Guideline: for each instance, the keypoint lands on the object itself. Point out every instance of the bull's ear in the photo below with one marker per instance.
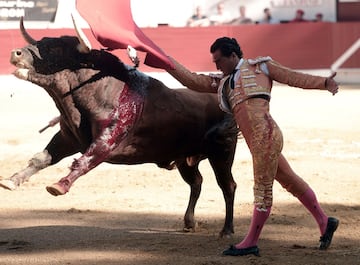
(24, 33)
(84, 46)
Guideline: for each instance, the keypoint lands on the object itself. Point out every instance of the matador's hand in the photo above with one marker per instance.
(331, 85)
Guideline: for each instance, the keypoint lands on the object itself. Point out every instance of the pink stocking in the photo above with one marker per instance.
(308, 199)
(257, 222)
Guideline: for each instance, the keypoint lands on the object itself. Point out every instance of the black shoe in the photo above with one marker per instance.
(325, 239)
(233, 251)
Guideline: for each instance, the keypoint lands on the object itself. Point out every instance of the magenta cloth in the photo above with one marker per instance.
(113, 26)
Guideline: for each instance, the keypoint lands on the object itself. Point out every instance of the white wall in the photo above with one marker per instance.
(175, 13)
(150, 13)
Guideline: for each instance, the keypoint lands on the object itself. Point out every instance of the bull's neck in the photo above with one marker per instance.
(136, 80)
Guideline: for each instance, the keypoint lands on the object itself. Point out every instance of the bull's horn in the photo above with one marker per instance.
(85, 45)
(26, 35)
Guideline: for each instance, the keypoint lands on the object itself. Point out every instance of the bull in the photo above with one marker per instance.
(111, 112)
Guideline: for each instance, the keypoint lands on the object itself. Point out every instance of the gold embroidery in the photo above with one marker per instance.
(265, 145)
(245, 87)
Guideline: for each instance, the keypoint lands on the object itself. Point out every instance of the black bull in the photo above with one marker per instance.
(93, 88)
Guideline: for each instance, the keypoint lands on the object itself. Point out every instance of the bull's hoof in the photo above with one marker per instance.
(190, 226)
(56, 189)
(226, 233)
(188, 229)
(7, 184)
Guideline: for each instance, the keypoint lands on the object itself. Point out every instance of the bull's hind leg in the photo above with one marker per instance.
(192, 176)
(227, 184)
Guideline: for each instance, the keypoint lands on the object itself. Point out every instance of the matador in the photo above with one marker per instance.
(244, 89)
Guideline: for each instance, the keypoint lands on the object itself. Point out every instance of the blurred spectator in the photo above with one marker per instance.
(221, 17)
(299, 16)
(318, 17)
(242, 19)
(198, 19)
(268, 18)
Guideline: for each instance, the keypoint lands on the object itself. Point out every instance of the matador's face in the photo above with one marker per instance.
(225, 64)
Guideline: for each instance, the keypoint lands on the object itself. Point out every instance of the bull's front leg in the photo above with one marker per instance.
(33, 77)
(114, 130)
(36, 163)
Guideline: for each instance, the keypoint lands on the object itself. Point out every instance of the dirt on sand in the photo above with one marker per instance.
(133, 214)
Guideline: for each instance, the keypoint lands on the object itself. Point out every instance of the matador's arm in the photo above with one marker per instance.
(288, 76)
(194, 81)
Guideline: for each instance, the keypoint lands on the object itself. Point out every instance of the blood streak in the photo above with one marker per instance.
(114, 130)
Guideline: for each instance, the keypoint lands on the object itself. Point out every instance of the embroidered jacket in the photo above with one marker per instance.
(255, 77)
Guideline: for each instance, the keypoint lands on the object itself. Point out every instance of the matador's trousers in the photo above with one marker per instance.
(265, 141)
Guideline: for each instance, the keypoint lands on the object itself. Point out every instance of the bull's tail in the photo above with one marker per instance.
(223, 136)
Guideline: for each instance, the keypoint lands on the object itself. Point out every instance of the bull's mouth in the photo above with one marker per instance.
(23, 68)
(20, 64)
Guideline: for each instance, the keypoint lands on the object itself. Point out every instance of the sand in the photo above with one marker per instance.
(120, 214)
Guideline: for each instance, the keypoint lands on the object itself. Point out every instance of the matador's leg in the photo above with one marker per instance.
(264, 139)
(301, 190)
(288, 179)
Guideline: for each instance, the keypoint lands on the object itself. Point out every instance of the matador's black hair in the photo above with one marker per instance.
(227, 46)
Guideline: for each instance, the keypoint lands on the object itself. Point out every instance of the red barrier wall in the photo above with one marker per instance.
(299, 46)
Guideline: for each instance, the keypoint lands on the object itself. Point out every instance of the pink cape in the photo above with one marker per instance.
(113, 26)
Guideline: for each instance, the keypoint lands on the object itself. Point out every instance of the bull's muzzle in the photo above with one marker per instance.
(21, 59)
(16, 57)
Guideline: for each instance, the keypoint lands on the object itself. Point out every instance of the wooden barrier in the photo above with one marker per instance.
(297, 45)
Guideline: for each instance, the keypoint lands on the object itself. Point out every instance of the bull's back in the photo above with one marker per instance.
(173, 124)
(184, 101)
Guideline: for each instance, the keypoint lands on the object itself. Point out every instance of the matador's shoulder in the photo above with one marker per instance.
(260, 59)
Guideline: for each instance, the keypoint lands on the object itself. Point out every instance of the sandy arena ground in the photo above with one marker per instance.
(133, 214)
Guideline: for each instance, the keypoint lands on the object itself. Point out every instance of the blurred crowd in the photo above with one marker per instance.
(222, 17)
